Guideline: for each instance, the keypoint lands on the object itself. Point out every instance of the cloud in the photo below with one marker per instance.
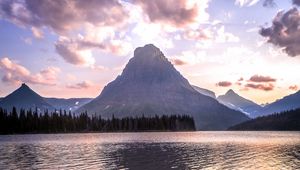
(37, 33)
(296, 2)
(198, 34)
(223, 36)
(99, 68)
(285, 32)
(116, 47)
(9, 66)
(71, 53)
(238, 83)
(178, 62)
(50, 73)
(191, 57)
(294, 87)
(16, 74)
(63, 15)
(257, 82)
(85, 25)
(79, 51)
(269, 3)
(82, 85)
(264, 87)
(224, 84)
(260, 79)
(247, 3)
(210, 34)
(178, 13)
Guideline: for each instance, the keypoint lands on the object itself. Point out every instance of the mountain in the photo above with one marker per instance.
(1, 98)
(205, 91)
(25, 98)
(235, 101)
(149, 85)
(287, 103)
(67, 104)
(289, 120)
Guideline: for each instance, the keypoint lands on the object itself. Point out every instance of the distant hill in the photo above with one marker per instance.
(67, 104)
(287, 103)
(25, 98)
(288, 120)
(205, 91)
(150, 84)
(237, 102)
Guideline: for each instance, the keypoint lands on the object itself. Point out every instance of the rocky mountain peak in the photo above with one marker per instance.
(230, 92)
(150, 65)
(24, 86)
(151, 85)
(24, 97)
(148, 50)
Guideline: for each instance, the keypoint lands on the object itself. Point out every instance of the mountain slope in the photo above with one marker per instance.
(234, 101)
(67, 104)
(151, 85)
(287, 103)
(205, 91)
(289, 120)
(24, 98)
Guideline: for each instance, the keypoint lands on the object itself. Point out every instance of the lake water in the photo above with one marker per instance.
(165, 150)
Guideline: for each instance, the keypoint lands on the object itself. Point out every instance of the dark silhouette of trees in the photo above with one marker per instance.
(287, 120)
(66, 122)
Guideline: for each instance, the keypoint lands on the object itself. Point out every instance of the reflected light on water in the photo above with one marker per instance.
(184, 150)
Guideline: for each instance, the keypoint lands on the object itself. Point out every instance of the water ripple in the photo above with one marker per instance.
(199, 150)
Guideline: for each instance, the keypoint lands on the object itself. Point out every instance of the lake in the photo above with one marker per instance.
(152, 150)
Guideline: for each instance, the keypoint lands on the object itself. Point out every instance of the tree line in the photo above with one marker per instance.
(33, 121)
(286, 120)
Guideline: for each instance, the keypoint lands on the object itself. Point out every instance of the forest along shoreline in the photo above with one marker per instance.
(34, 122)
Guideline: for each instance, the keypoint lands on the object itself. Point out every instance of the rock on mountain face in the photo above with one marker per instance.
(24, 98)
(67, 104)
(205, 91)
(287, 103)
(151, 85)
(234, 101)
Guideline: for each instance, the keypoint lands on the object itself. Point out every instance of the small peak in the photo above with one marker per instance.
(230, 92)
(24, 85)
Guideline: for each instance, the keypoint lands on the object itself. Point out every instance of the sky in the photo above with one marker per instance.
(74, 48)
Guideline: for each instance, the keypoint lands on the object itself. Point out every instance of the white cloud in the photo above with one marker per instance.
(191, 57)
(16, 74)
(73, 54)
(248, 3)
(82, 85)
(223, 36)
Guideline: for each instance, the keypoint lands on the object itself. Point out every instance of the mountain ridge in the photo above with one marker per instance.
(205, 92)
(287, 120)
(24, 98)
(233, 100)
(67, 103)
(288, 102)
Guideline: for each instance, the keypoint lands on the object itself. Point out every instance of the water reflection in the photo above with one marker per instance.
(202, 156)
(209, 150)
